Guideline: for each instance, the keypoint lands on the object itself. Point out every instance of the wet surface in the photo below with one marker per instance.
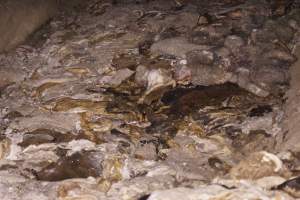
(150, 100)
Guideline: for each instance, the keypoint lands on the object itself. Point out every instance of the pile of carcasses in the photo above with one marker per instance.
(150, 100)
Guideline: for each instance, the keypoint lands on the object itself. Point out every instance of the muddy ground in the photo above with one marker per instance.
(153, 100)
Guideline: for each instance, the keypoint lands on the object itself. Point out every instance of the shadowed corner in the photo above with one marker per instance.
(19, 19)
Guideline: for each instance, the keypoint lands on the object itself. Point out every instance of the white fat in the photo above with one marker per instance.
(267, 157)
(79, 145)
(183, 62)
(125, 172)
(78, 126)
(15, 149)
(154, 78)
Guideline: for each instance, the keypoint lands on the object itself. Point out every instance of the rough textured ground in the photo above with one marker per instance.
(151, 100)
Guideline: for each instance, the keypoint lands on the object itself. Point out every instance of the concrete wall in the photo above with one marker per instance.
(19, 18)
(291, 139)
